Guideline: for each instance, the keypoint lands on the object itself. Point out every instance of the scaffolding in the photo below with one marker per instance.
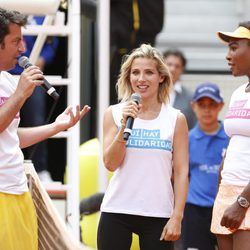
(54, 25)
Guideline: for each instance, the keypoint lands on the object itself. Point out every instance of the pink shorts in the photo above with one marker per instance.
(226, 196)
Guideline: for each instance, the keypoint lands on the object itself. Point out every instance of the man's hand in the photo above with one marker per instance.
(68, 118)
(29, 79)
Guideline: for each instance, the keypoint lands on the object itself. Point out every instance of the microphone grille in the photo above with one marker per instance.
(136, 97)
(23, 61)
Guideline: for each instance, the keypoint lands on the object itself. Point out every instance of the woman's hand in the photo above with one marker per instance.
(131, 109)
(233, 217)
(172, 230)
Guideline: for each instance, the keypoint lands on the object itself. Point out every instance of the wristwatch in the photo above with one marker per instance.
(243, 202)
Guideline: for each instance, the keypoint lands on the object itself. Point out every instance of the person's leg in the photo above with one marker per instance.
(196, 228)
(113, 232)
(193, 227)
(225, 242)
(211, 241)
(241, 240)
(186, 233)
(149, 230)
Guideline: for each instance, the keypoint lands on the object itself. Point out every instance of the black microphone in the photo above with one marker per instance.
(25, 63)
(130, 121)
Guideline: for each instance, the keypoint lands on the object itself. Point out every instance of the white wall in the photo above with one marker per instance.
(191, 26)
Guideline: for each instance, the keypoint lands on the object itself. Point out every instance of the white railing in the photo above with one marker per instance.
(103, 78)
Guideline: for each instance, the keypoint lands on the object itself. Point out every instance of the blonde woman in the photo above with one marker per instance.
(140, 198)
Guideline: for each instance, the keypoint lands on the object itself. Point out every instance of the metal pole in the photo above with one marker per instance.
(103, 22)
(73, 141)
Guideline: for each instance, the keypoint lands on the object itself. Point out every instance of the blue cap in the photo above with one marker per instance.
(210, 90)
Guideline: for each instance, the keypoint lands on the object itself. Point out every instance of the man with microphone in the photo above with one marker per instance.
(15, 199)
(34, 112)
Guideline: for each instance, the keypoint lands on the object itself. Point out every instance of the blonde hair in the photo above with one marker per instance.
(123, 85)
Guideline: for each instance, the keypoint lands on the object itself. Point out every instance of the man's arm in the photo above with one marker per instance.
(29, 79)
(9, 110)
(30, 136)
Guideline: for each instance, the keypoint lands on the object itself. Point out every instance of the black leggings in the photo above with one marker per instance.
(115, 232)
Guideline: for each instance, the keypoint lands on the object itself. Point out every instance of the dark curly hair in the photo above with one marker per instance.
(8, 17)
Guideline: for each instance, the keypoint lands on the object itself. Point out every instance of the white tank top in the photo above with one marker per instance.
(12, 176)
(142, 184)
(236, 168)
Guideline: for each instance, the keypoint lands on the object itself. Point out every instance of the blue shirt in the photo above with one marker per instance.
(205, 156)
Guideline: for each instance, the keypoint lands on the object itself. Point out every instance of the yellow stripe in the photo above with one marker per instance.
(136, 15)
